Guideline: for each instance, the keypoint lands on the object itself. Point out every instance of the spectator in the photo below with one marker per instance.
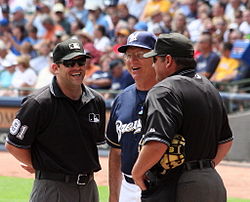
(232, 7)
(220, 25)
(18, 16)
(6, 75)
(179, 24)
(41, 12)
(227, 67)
(208, 60)
(17, 38)
(135, 7)
(76, 26)
(101, 41)
(4, 27)
(167, 22)
(90, 67)
(78, 13)
(121, 78)
(27, 49)
(121, 39)
(196, 27)
(245, 25)
(5, 10)
(95, 17)
(42, 60)
(60, 18)
(218, 10)
(46, 74)
(152, 5)
(5, 54)
(235, 35)
(32, 36)
(189, 9)
(123, 12)
(155, 24)
(24, 76)
(51, 28)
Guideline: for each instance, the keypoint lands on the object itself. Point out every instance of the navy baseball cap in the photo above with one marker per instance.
(68, 49)
(141, 39)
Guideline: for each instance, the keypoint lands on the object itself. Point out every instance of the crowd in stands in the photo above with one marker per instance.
(29, 30)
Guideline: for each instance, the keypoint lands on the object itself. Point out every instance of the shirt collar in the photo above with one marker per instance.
(87, 95)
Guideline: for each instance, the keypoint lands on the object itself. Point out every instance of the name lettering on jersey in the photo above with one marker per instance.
(17, 129)
(133, 37)
(128, 127)
(94, 118)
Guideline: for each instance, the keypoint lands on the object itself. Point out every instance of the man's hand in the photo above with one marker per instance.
(140, 181)
(30, 169)
(146, 160)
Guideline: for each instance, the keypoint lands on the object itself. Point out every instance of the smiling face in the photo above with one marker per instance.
(70, 76)
(140, 68)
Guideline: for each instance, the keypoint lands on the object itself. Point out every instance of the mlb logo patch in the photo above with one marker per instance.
(94, 118)
(74, 46)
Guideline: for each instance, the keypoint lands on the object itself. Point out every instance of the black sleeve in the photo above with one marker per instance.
(162, 116)
(226, 134)
(26, 124)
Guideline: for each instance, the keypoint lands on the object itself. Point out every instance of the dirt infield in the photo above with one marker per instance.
(236, 176)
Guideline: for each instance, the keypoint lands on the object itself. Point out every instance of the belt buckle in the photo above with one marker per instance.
(82, 179)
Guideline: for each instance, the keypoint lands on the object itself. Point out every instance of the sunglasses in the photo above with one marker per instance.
(72, 63)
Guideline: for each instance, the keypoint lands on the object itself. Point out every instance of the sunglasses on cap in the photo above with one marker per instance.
(72, 63)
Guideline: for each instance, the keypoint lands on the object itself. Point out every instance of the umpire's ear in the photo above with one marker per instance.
(55, 67)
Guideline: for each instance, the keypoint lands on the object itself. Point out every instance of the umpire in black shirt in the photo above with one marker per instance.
(185, 127)
(56, 131)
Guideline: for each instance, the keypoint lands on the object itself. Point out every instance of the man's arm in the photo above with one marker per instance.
(115, 175)
(150, 154)
(22, 155)
(222, 151)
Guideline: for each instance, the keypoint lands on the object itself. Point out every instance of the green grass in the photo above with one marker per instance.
(14, 189)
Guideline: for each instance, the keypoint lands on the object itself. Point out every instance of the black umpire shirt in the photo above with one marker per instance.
(61, 133)
(186, 104)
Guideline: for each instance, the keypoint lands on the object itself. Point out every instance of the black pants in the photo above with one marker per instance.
(201, 185)
(162, 189)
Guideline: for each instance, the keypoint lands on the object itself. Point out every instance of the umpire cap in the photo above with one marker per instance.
(68, 49)
(141, 39)
(174, 44)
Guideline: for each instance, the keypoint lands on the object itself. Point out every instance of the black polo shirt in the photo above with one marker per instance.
(61, 133)
(189, 105)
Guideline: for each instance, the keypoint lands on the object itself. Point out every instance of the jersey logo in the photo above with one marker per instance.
(94, 118)
(128, 127)
(17, 129)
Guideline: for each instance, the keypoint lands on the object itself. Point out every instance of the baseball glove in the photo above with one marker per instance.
(174, 156)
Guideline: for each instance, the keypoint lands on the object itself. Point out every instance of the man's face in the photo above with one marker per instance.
(71, 72)
(160, 68)
(140, 68)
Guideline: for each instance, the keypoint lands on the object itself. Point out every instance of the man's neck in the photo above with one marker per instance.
(145, 86)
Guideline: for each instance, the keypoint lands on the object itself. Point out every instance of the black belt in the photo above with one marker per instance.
(199, 164)
(129, 179)
(80, 179)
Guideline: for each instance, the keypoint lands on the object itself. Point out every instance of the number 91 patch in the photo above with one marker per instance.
(17, 129)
